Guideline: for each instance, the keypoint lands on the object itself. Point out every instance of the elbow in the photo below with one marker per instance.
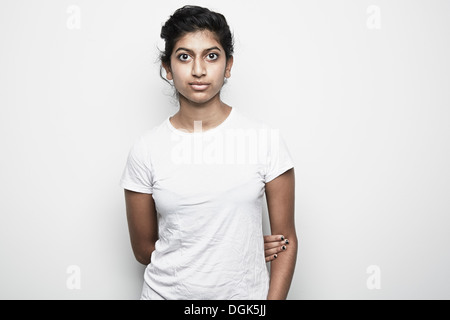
(143, 255)
(290, 235)
(293, 243)
(293, 239)
(145, 260)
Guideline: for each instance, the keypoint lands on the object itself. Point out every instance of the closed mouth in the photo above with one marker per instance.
(199, 86)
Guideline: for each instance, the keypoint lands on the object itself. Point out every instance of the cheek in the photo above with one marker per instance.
(180, 72)
(180, 77)
(220, 71)
(216, 73)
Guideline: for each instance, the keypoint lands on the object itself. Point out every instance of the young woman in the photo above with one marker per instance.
(194, 185)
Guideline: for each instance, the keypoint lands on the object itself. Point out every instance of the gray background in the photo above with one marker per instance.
(364, 110)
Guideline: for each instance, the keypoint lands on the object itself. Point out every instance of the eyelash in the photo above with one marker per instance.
(185, 54)
(181, 55)
(217, 56)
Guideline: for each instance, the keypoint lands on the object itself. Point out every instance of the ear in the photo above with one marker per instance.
(169, 75)
(228, 67)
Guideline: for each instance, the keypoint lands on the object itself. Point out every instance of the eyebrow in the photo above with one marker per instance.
(191, 51)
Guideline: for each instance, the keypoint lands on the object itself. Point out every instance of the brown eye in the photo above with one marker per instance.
(213, 56)
(183, 57)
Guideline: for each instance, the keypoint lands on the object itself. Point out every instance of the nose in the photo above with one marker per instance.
(198, 68)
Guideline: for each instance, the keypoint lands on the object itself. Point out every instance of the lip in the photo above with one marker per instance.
(199, 86)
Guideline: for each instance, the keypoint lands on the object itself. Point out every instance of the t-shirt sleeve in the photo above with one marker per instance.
(279, 159)
(137, 175)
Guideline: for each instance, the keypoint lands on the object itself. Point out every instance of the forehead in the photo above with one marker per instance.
(198, 41)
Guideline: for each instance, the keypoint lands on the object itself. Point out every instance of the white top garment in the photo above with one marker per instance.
(208, 189)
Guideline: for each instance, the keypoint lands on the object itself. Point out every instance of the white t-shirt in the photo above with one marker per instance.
(208, 190)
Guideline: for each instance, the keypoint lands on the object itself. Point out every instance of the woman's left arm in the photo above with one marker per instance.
(280, 195)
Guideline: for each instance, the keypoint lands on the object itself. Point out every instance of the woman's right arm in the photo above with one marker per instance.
(142, 224)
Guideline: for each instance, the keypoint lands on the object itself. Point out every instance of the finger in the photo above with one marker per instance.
(275, 250)
(270, 245)
(273, 238)
(271, 252)
(271, 257)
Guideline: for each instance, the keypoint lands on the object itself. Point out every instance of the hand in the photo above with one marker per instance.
(273, 245)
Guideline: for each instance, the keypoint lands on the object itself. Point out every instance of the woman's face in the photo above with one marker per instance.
(198, 67)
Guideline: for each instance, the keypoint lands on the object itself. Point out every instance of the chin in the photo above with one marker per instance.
(199, 98)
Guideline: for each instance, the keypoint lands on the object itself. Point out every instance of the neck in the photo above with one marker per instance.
(211, 114)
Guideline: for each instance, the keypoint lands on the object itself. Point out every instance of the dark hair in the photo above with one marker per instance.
(190, 19)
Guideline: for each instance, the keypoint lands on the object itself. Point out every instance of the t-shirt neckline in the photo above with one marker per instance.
(209, 131)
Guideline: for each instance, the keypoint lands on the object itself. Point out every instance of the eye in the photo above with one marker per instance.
(212, 56)
(184, 57)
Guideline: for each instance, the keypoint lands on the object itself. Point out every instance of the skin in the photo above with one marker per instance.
(280, 195)
(274, 245)
(198, 68)
(194, 60)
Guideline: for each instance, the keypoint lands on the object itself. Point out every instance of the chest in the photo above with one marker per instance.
(211, 171)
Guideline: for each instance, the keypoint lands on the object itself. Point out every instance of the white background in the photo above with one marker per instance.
(365, 112)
